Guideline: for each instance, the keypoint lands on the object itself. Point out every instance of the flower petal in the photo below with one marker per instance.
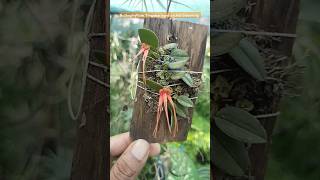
(166, 110)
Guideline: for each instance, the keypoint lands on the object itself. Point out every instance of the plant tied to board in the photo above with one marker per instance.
(235, 128)
(169, 75)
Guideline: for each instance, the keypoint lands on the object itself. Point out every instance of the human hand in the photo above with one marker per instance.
(133, 156)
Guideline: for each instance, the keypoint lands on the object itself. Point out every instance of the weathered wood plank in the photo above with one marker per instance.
(91, 149)
(190, 37)
(283, 19)
(270, 16)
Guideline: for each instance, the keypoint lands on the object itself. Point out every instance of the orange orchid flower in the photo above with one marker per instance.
(165, 96)
(145, 51)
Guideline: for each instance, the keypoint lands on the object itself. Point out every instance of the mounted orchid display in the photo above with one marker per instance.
(168, 83)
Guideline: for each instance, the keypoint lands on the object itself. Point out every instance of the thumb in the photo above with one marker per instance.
(130, 163)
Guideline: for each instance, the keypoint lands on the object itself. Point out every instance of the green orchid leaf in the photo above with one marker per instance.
(170, 46)
(184, 101)
(229, 154)
(240, 125)
(249, 58)
(224, 42)
(188, 79)
(177, 58)
(181, 110)
(153, 54)
(177, 75)
(148, 37)
(179, 53)
(224, 9)
(154, 85)
(178, 64)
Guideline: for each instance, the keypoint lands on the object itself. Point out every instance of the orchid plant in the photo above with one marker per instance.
(168, 68)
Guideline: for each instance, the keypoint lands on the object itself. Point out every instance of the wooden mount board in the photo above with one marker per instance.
(91, 149)
(190, 37)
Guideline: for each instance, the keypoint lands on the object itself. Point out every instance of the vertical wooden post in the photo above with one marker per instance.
(190, 37)
(91, 149)
(275, 16)
(271, 16)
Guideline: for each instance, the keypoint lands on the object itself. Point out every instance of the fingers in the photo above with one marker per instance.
(130, 163)
(154, 149)
(119, 143)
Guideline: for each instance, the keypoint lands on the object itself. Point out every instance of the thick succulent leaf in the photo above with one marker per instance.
(224, 42)
(240, 125)
(249, 58)
(185, 58)
(170, 46)
(254, 54)
(177, 75)
(181, 111)
(188, 80)
(184, 101)
(153, 54)
(223, 9)
(179, 53)
(178, 64)
(171, 117)
(153, 85)
(148, 37)
(229, 154)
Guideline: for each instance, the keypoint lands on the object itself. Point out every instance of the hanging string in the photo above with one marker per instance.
(263, 116)
(255, 33)
(264, 33)
(97, 80)
(221, 71)
(158, 93)
(191, 72)
(98, 65)
(92, 35)
(148, 90)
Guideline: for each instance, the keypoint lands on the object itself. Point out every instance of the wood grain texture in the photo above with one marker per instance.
(190, 37)
(91, 152)
(270, 16)
(277, 16)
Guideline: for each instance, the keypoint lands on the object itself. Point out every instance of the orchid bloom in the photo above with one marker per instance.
(165, 96)
(145, 51)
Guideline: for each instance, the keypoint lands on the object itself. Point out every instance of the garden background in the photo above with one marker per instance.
(40, 43)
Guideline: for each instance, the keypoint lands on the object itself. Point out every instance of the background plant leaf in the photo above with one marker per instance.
(240, 125)
(224, 42)
(223, 9)
(229, 154)
(249, 58)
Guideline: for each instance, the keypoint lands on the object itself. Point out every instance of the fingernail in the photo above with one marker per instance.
(140, 149)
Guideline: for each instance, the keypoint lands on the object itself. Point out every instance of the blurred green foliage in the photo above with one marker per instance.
(296, 141)
(41, 43)
(185, 160)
